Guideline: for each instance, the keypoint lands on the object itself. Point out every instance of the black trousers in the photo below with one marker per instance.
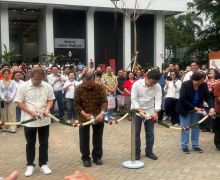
(149, 136)
(170, 110)
(84, 138)
(217, 132)
(43, 135)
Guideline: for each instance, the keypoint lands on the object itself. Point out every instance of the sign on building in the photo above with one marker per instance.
(69, 43)
(214, 59)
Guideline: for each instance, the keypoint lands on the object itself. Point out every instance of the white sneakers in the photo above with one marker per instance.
(44, 169)
(29, 171)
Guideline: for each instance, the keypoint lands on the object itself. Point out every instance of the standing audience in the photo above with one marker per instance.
(69, 89)
(8, 108)
(217, 120)
(57, 81)
(172, 90)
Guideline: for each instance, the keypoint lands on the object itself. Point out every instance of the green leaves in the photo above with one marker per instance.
(211, 33)
(7, 56)
(182, 30)
(52, 58)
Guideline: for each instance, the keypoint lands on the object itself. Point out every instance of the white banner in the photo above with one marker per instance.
(213, 63)
(69, 43)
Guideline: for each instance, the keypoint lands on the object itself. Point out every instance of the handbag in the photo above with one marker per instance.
(121, 100)
(111, 102)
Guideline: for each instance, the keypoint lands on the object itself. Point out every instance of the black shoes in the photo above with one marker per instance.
(185, 150)
(98, 162)
(151, 156)
(87, 163)
(198, 149)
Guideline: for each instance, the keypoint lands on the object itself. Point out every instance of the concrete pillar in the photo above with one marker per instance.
(126, 42)
(159, 40)
(90, 40)
(4, 28)
(46, 35)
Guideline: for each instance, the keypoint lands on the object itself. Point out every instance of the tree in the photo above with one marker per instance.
(133, 15)
(182, 31)
(211, 34)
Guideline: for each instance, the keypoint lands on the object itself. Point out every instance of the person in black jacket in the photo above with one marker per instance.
(190, 108)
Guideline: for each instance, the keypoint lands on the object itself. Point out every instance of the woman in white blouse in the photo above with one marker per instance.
(69, 89)
(17, 76)
(172, 90)
(8, 92)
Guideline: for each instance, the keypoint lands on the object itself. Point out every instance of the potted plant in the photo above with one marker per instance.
(8, 55)
(51, 57)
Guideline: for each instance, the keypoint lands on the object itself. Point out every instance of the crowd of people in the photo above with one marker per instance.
(179, 97)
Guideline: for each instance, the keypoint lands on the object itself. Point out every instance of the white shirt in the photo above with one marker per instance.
(58, 85)
(35, 98)
(66, 78)
(7, 93)
(18, 83)
(71, 90)
(187, 76)
(171, 90)
(146, 98)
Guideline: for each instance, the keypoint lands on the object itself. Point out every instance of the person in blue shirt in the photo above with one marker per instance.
(190, 108)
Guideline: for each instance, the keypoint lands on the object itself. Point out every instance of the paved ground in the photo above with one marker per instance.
(64, 155)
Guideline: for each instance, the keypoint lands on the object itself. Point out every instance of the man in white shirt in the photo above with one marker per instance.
(194, 68)
(146, 97)
(35, 99)
(66, 72)
(69, 89)
(57, 81)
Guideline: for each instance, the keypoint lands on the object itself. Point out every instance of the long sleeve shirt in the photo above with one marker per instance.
(171, 90)
(57, 85)
(91, 101)
(146, 98)
(8, 92)
(71, 88)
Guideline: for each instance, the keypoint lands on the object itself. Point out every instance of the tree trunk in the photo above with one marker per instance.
(135, 46)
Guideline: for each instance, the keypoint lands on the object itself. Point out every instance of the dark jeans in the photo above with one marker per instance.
(18, 114)
(70, 108)
(84, 138)
(170, 110)
(149, 135)
(217, 132)
(43, 135)
(59, 99)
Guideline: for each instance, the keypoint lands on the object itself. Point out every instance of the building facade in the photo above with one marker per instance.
(86, 31)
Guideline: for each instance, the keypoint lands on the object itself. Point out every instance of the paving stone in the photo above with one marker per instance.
(65, 157)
